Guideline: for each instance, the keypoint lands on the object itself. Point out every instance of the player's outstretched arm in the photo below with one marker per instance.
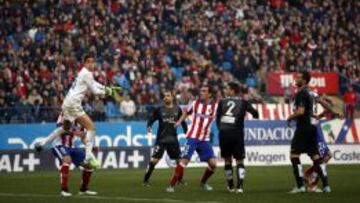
(112, 90)
(327, 106)
(54, 134)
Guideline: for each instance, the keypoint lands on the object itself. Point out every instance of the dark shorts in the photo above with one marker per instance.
(305, 140)
(173, 150)
(232, 144)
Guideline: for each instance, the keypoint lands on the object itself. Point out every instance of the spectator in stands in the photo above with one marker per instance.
(350, 100)
(99, 109)
(34, 95)
(127, 108)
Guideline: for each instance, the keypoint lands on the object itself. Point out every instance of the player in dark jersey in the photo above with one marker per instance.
(304, 140)
(311, 177)
(230, 122)
(166, 139)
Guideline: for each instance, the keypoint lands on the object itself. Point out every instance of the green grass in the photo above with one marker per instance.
(263, 184)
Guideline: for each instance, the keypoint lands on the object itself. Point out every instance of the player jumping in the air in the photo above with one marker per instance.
(166, 139)
(304, 140)
(73, 110)
(202, 112)
(230, 121)
(311, 176)
(64, 150)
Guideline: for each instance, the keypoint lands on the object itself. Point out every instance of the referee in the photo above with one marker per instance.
(230, 122)
(166, 139)
(304, 140)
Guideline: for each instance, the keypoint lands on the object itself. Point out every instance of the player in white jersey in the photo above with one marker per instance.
(64, 150)
(72, 109)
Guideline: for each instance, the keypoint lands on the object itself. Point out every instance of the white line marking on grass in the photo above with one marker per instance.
(24, 195)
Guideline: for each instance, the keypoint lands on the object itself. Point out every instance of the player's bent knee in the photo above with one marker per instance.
(212, 163)
(292, 156)
(240, 161)
(315, 157)
(154, 160)
(327, 158)
(184, 162)
(66, 159)
(228, 160)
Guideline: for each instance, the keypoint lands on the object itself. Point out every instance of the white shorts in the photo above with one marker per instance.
(72, 113)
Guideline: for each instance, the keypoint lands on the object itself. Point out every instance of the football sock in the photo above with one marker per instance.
(90, 135)
(207, 173)
(64, 176)
(240, 173)
(149, 171)
(297, 170)
(320, 168)
(312, 176)
(179, 171)
(229, 175)
(180, 178)
(85, 179)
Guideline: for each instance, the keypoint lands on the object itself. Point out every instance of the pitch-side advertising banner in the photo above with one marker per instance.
(274, 155)
(133, 134)
(110, 158)
(323, 82)
(127, 145)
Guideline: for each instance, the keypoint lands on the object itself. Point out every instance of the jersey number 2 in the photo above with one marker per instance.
(231, 105)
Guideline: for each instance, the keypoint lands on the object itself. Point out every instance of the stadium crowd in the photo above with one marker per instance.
(146, 46)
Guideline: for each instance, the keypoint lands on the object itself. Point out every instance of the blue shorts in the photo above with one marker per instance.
(77, 155)
(322, 146)
(203, 148)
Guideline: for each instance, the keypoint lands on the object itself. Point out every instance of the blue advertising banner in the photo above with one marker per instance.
(133, 134)
(113, 134)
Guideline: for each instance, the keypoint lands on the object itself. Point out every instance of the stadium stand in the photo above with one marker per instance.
(176, 44)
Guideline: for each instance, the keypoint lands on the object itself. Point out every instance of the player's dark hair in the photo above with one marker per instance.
(88, 56)
(306, 76)
(210, 88)
(234, 87)
(167, 90)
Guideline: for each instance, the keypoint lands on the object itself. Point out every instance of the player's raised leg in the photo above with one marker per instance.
(86, 122)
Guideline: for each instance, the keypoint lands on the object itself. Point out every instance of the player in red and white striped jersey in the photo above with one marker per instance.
(202, 114)
(62, 139)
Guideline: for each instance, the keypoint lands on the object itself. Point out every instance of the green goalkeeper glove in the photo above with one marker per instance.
(110, 91)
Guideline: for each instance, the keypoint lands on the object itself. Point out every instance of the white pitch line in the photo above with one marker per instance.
(102, 198)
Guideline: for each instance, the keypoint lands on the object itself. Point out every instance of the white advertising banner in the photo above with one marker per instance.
(275, 155)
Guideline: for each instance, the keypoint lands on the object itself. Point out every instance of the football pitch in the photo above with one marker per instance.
(262, 184)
